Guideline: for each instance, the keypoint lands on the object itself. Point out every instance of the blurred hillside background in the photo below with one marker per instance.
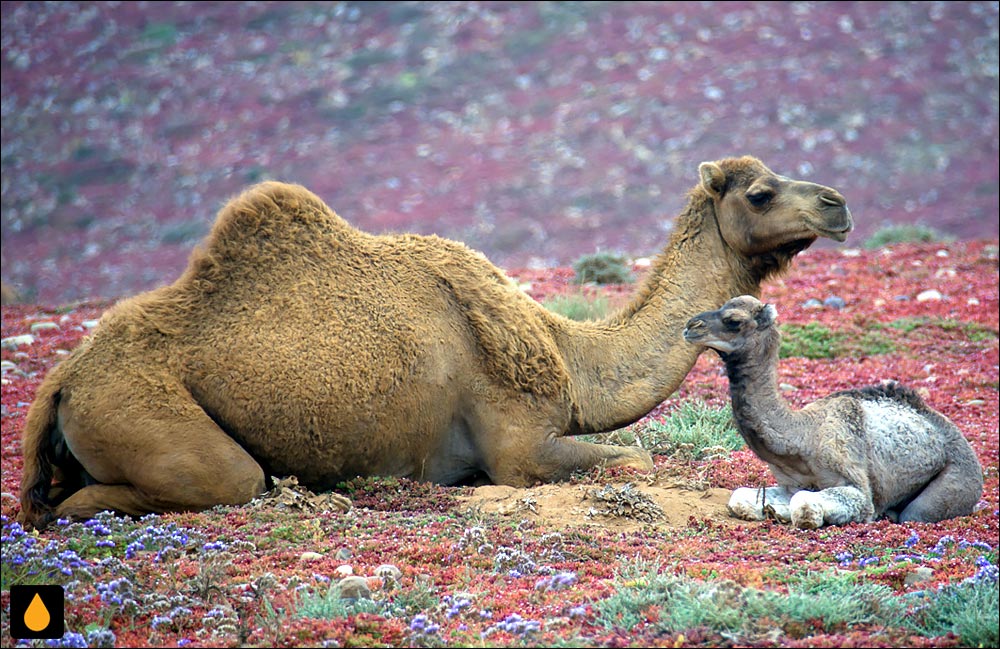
(533, 131)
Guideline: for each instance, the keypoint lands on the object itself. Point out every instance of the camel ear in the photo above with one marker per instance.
(713, 178)
(766, 316)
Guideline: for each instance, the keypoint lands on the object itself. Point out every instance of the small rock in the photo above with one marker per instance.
(902, 298)
(812, 303)
(354, 588)
(928, 295)
(942, 253)
(972, 301)
(851, 252)
(90, 324)
(43, 326)
(918, 575)
(344, 571)
(975, 402)
(389, 573)
(310, 556)
(13, 342)
(787, 387)
(343, 554)
(834, 302)
(7, 366)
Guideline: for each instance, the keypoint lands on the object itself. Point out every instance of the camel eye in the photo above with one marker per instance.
(759, 198)
(731, 323)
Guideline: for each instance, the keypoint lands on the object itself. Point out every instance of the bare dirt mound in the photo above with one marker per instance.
(622, 506)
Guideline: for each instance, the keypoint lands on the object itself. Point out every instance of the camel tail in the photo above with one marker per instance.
(41, 431)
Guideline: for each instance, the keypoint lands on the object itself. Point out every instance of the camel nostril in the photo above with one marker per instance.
(833, 199)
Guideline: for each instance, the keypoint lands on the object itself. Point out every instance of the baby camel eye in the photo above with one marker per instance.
(731, 323)
(759, 198)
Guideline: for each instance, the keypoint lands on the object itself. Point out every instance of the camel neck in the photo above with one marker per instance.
(758, 407)
(625, 366)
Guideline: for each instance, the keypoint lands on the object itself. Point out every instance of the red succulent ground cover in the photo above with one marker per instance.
(474, 577)
(533, 131)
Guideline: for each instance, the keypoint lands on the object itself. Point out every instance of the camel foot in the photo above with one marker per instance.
(807, 513)
(745, 504)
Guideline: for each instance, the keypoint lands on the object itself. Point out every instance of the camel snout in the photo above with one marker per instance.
(694, 329)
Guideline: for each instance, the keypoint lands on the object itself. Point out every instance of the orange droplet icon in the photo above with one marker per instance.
(37, 616)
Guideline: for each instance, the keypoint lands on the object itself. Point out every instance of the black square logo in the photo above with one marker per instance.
(36, 612)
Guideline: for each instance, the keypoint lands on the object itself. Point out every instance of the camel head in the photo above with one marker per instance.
(760, 212)
(733, 327)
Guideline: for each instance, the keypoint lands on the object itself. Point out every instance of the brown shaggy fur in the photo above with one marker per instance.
(296, 344)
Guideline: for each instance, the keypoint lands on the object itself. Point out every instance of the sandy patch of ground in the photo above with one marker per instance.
(623, 505)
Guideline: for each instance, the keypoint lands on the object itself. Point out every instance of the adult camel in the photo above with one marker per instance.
(294, 344)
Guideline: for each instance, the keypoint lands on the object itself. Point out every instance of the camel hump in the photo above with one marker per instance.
(272, 215)
(273, 208)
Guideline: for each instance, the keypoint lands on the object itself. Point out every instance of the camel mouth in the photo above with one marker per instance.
(836, 229)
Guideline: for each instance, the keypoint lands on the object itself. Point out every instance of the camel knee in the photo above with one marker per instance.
(200, 486)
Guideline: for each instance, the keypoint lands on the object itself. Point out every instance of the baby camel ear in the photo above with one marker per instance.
(713, 178)
(766, 316)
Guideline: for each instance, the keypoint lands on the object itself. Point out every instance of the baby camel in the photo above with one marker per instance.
(852, 456)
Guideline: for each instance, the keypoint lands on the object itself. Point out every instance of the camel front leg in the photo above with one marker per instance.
(834, 506)
(557, 458)
(757, 504)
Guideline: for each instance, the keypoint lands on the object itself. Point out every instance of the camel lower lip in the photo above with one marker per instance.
(837, 235)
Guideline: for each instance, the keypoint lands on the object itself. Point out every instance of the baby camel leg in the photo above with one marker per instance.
(834, 506)
(753, 504)
(157, 463)
(953, 492)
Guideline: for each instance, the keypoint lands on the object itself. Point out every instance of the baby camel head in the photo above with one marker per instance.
(732, 328)
(759, 211)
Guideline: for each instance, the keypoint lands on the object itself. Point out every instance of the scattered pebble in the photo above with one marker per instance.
(929, 295)
(389, 573)
(13, 342)
(344, 570)
(354, 588)
(834, 302)
(787, 387)
(90, 324)
(43, 326)
(918, 575)
(812, 303)
(310, 556)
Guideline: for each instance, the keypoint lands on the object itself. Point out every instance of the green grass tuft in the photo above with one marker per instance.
(693, 432)
(832, 600)
(331, 606)
(968, 609)
(602, 268)
(811, 340)
(579, 306)
(908, 233)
